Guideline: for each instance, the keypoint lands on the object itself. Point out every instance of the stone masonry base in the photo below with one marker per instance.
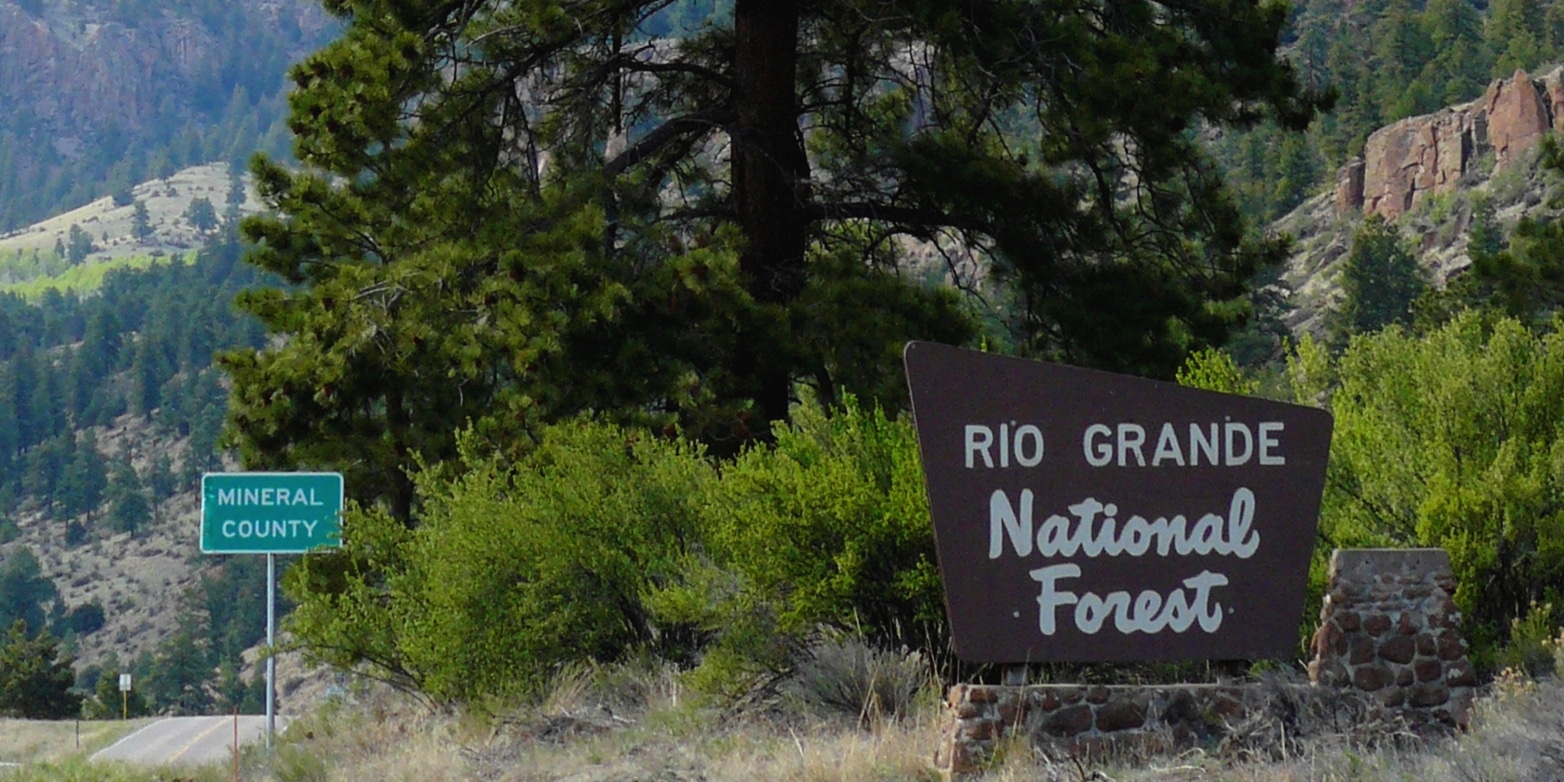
(1388, 649)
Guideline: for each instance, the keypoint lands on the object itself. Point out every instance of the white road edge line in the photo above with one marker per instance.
(128, 737)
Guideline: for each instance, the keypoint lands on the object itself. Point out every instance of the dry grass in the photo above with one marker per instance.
(600, 724)
(632, 722)
(31, 741)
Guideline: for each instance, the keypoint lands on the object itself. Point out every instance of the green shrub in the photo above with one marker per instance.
(606, 542)
(512, 570)
(829, 526)
(1455, 439)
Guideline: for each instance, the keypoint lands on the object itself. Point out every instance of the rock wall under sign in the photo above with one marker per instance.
(1388, 652)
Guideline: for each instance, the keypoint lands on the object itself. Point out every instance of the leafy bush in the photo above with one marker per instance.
(607, 542)
(513, 570)
(828, 526)
(1454, 439)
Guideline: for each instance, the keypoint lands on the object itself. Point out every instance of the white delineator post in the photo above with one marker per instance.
(271, 647)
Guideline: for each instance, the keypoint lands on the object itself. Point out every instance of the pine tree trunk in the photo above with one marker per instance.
(770, 176)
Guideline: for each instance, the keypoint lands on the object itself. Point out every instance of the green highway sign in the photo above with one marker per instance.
(270, 512)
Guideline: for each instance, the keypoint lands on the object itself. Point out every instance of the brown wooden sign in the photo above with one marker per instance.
(1082, 515)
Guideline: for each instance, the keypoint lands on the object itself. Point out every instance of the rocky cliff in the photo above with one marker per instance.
(79, 69)
(1424, 173)
(1405, 162)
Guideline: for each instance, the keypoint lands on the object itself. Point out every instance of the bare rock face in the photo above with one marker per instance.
(1406, 161)
(1349, 187)
(1517, 116)
(78, 70)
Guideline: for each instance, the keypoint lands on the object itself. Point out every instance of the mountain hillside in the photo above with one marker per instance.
(102, 94)
(1426, 173)
(169, 223)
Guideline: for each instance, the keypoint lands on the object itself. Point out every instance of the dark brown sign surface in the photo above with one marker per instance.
(1082, 515)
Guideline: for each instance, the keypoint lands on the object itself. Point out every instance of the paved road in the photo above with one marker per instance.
(186, 740)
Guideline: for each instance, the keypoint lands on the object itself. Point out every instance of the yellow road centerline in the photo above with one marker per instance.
(203, 734)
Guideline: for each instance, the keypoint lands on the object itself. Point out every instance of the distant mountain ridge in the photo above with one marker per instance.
(102, 94)
(82, 68)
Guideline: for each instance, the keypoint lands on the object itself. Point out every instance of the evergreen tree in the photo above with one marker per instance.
(146, 379)
(108, 703)
(1401, 48)
(1474, 286)
(1526, 279)
(1458, 67)
(1515, 32)
(1485, 237)
(81, 486)
(201, 215)
(161, 479)
(638, 274)
(1299, 172)
(1380, 279)
(141, 222)
(36, 677)
(80, 245)
(179, 675)
(43, 467)
(24, 590)
(129, 508)
(46, 408)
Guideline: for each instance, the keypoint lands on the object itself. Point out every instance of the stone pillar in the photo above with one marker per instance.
(1349, 187)
(1389, 627)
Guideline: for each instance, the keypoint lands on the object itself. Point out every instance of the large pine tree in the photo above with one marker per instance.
(510, 212)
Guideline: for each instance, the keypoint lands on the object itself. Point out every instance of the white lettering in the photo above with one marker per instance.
(1209, 617)
(1241, 540)
(1036, 456)
(1149, 612)
(1097, 454)
(1085, 534)
(228, 528)
(1206, 445)
(1050, 598)
(1091, 610)
(1002, 518)
(979, 438)
(225, 496)
(1167, 447)
(1230, 429)
(1132, 437)
(1136, 538)
(1267, 442)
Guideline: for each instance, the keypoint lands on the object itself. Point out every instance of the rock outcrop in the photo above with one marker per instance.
(78, 69)
(1406, 161)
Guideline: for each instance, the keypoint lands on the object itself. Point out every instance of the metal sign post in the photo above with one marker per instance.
(271, 648)
(124, 696)
(270, 513)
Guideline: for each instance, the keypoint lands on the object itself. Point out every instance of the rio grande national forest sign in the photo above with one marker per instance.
(1087, 516)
